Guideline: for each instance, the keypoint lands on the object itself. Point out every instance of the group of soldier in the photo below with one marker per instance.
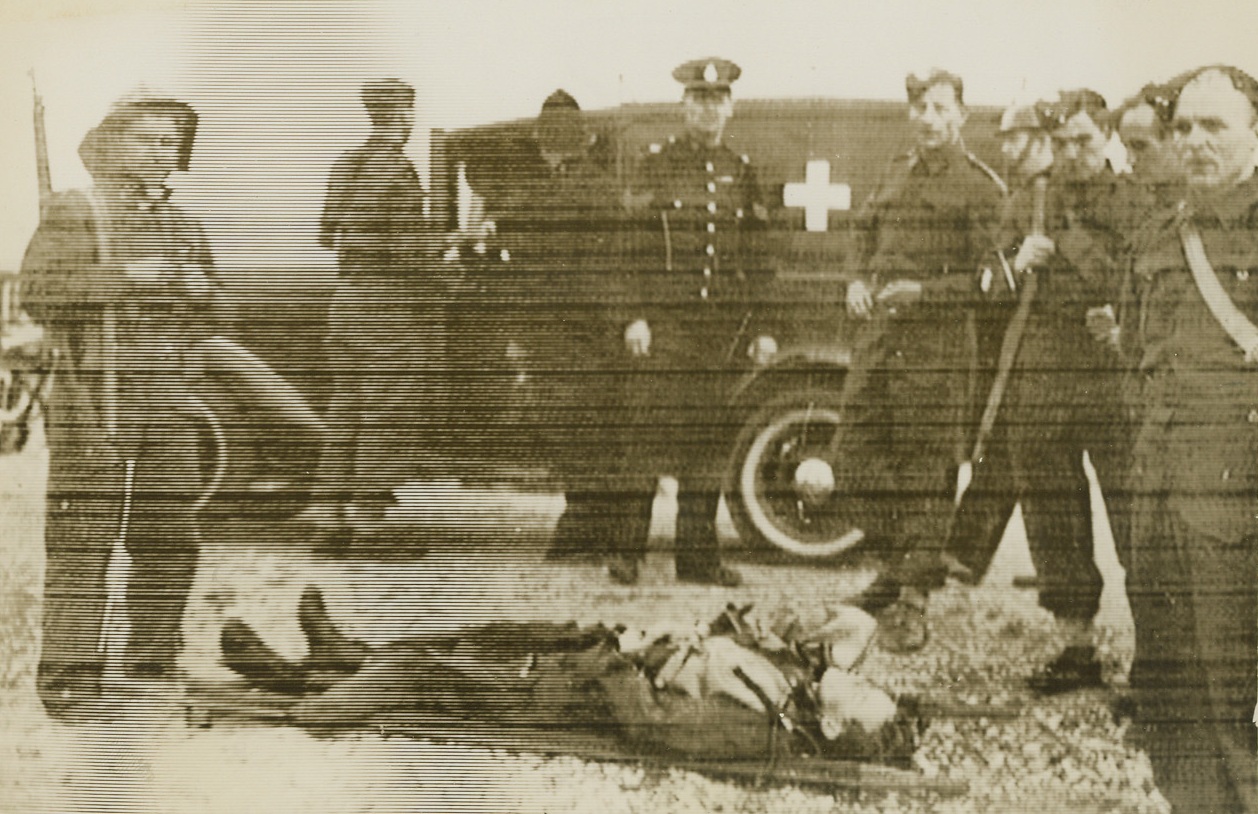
(1100, 313)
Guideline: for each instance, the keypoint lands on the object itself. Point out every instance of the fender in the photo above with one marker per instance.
(261, 384)
(812, 356)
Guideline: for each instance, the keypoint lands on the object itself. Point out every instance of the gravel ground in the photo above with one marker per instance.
(1063, 754)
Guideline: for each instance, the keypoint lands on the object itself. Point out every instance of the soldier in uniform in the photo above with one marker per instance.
(694, 234)
(1193, 582)
(923, 255)
(384, 321)
(122, 280)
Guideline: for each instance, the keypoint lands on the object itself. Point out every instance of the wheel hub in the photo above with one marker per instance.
(814, 480)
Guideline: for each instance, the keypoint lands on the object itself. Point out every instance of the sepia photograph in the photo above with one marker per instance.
(591, 406)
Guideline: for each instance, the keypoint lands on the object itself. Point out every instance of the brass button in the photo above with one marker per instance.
(703, 292)
(711, 227)
(1242, 274)
(710, 249)
(712, 206)
(707, 272)
(677, 204)
(1252, 418)
(711, 187)
(709, 167)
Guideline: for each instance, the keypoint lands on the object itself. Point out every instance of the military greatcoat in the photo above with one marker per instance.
(1193, 581)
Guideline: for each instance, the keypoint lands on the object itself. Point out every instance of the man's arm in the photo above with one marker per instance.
(60, 273)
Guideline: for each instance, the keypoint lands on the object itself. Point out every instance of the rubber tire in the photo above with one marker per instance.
(751, 519)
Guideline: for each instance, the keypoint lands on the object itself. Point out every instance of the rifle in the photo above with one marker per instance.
(43, 170)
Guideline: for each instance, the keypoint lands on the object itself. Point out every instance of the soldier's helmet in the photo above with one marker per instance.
(387, 93)
(99, 148)
(709, 73)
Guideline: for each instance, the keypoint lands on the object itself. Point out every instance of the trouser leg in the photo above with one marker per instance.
(698, 552)
(986, 507)
(1056, 509)
(1194, 601)
(162, 542)
(83, 506)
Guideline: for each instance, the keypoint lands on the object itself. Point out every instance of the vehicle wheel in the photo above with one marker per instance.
(781, 489)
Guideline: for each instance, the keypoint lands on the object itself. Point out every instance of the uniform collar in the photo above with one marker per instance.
(935, 162)
(1234, 206)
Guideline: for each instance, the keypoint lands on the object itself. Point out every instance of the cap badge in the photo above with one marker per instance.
(709, 73)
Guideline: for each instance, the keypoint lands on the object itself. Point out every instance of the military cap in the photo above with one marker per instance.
(1020, 117)
(560, 100)
(917, 83)
(386, 93)
(710, 73)
(1054, 113)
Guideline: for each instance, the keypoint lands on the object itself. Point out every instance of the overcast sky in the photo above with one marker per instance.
(275, 81)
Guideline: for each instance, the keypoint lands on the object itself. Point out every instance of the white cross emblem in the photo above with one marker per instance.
(817, 196)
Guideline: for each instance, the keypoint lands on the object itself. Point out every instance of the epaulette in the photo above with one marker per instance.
(992, 174)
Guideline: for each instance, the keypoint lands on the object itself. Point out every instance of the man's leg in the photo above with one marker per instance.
(162, 542)
(83, 506)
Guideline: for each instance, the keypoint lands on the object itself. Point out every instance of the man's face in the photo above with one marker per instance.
(1079, 148)
(560, 135)
(149, 148)
(1027, 153)
(1215, 132)
(937, 116)
(396, 123)
(1152, 157)
(707, 111)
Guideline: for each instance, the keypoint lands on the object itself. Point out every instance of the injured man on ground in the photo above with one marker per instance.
(738, 687)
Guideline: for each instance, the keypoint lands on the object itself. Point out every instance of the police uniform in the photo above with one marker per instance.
(124, 448)
(384, 327)
(698, 270)
(933, 218)
(1193, 582)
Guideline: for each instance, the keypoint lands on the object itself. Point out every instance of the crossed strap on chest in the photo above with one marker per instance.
(1242, 331)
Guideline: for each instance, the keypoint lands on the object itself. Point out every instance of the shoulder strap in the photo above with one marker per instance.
(1238, 327)
(988, 171)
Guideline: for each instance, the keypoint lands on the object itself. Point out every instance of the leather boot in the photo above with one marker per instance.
(246, 653)
(331, 651)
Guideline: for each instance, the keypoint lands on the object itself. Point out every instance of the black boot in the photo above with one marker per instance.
(246, 653)
(331, 651)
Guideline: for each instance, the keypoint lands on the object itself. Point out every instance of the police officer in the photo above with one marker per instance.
(384, 321)
(694, 241)
(923, 255)
(1193, 582)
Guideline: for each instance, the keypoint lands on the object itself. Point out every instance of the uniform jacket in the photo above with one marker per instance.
(69, 289)
(1199, 436)
(373, 215)
(933, 218)
(694, 242)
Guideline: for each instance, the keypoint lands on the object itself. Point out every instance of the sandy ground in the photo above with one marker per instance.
(485, 562)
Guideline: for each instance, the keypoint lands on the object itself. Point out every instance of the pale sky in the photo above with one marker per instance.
(275, 81)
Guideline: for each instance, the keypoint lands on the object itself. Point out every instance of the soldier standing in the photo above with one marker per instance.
(121, 280)
(694, 238)
(1193, 582)
(383, 324)
(923, 255)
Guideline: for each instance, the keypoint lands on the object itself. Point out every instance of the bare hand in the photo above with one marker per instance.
(900, 292)
(859, 301)
(1102, 324)
(194, 280)
(1035, 251)
(762, 350)
(638, 338)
